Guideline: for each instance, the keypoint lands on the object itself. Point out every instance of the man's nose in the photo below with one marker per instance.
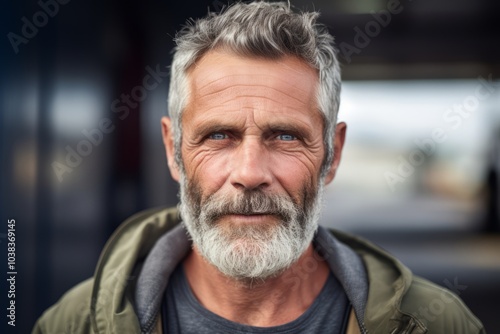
(250, 166)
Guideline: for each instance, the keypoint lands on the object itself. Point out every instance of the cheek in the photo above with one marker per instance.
(207, 169)
(294, 174)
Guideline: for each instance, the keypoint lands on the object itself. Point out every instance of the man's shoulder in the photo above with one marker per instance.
(122, 252)
(438, 308)
(71, 314)
(429, 306)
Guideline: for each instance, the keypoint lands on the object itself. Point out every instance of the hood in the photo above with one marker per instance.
(389, 281)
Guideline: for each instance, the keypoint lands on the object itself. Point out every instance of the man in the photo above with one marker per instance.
(252, 140)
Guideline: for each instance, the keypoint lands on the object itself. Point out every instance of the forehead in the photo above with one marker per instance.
(288, 78)
(229, 63)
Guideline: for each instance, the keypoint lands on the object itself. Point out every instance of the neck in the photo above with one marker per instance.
(270, 302)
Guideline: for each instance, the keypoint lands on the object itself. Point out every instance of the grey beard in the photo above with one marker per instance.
(252, 251)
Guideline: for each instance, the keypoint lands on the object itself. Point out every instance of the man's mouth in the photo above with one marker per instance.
(248, 218)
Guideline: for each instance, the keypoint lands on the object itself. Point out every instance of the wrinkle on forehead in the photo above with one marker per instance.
(233, 73)
(232, 92)
(217, 71)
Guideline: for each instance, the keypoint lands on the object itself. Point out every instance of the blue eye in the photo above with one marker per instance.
(218, 136)
(286, 137)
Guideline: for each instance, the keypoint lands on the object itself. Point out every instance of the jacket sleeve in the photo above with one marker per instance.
(439, 310)
(71, 314)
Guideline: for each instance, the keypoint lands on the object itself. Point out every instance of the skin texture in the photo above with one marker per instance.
(253, 123)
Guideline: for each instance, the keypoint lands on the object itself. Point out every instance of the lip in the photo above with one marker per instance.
(250, 219)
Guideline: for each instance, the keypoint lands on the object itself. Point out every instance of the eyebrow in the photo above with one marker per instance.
(287, 127)
(208, 127)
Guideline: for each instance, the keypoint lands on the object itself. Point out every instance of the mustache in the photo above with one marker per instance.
(249, 203)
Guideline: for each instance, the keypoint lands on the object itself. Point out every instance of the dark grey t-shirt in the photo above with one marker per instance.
(182, 313)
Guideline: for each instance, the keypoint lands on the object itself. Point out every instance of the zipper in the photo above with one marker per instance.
(150, 324)
(408, 330)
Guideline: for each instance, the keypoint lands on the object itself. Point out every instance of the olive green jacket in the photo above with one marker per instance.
(398, 302)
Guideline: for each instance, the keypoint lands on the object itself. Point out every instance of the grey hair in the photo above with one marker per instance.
(259, 29)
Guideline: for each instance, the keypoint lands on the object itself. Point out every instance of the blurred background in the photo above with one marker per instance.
(83, 86)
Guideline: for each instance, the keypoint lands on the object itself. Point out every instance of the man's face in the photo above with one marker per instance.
(252, 149)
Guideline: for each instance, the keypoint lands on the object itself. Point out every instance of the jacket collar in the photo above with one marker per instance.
(389, 281)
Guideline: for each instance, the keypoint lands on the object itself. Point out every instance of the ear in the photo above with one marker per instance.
(168, 141)
(338, 144)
